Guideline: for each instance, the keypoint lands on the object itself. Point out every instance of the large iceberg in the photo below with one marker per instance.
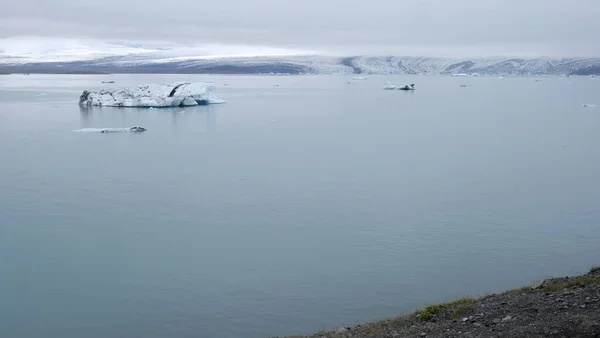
(154, 95)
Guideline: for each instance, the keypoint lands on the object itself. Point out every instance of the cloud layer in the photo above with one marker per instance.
(533, 27)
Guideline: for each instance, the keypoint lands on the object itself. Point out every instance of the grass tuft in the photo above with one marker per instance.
(594, 269)
(518, 291)
(462, 310)
(578, 281)
(430, 311)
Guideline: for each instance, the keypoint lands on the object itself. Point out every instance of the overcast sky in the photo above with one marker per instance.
(401, 27)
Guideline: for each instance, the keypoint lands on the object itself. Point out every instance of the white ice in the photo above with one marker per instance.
(107, 130)
(101, 130)
(389, 86)
(153, 95)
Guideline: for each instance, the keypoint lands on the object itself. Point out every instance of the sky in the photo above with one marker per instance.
(340, 27)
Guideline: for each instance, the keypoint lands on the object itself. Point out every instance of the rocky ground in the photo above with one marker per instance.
(563, 307)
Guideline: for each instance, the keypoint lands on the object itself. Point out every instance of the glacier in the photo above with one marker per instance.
(180, 94)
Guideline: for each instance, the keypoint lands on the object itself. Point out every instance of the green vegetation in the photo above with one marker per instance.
(578, 281)
(462, 305)
(463, 310)
(518, 291)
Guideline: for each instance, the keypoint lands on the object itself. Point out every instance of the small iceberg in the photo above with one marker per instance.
(359, 78)
(408, 87)
(588, 105)
(153, 95)
(390, 86)
(134, 129)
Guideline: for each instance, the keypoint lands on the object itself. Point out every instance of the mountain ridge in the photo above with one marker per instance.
(312, 64)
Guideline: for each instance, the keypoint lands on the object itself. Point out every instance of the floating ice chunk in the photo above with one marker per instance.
(359, 78)
(100, 130)
(588, 105)
(154, 95)
(134, 129)
(390, 86)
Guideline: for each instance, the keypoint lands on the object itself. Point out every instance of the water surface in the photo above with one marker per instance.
(301, 204)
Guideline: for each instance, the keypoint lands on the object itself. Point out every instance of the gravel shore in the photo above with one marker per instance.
(562, 307)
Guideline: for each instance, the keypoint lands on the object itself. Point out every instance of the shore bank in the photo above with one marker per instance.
(559, 307)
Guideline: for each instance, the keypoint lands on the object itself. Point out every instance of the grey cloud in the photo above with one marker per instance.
(556, 27)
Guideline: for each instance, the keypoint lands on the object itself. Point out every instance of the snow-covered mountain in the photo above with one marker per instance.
(474, 66)
(51, 55)
(155, 62)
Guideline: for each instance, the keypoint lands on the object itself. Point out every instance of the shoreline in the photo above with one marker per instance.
(557, 307)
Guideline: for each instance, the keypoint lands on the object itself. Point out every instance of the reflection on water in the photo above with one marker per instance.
(211, 119)
(203, 117)
(85, 113)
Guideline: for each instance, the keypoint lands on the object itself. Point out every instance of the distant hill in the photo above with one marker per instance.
(388, 65)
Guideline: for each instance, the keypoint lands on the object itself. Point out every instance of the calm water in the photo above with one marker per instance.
(291, 208)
